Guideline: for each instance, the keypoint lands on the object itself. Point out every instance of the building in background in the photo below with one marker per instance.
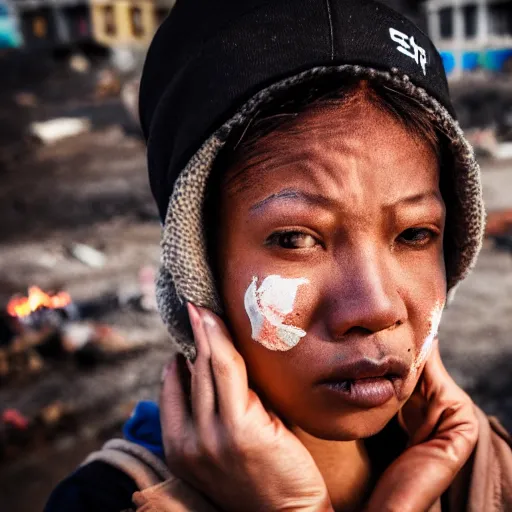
(53, 23)
(127, 23)
(472, 34)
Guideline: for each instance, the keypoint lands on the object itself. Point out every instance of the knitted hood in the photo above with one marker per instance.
(214, 64)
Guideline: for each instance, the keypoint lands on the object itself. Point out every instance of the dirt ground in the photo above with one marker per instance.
(93, 189)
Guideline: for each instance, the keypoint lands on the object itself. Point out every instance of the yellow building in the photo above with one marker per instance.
(127, 23)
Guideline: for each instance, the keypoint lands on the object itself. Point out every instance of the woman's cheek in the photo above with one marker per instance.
(270, 304)
(428, 343)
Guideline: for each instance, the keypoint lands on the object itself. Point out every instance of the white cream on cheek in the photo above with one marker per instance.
(267, 308)
(435, 320)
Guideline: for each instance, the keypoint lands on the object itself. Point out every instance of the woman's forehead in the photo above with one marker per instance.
(348, 148)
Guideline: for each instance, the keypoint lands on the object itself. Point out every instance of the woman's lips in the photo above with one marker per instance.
(366, 382)
(363, 393)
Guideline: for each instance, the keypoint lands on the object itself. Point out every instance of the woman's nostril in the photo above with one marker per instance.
(358, 331)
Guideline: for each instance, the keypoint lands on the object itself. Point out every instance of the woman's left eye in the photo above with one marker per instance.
(292, 240)
(417, 236)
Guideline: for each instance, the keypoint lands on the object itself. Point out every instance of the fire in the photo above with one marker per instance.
(24, 306)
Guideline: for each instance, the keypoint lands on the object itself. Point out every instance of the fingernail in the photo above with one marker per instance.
(165, 370)
(190, 365)
(193, 313)
(207, 318)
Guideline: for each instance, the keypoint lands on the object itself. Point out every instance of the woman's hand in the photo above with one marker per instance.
(443, 429)
(223, 441)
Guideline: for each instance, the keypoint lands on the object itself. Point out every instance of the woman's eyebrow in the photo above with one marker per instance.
(415, 198)
(291, 193)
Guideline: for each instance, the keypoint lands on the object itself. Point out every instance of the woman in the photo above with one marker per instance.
(320, 203)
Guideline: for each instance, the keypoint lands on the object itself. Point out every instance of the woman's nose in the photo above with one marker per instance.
(364, 294)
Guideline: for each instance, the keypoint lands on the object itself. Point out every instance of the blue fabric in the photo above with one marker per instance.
(143, 427)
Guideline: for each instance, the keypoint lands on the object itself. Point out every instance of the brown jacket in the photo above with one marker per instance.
(483, 485)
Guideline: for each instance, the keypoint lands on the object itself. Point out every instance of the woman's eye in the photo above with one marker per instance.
(292, 240)
(417, 236)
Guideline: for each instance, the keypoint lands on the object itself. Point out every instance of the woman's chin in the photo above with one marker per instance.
(350, 426)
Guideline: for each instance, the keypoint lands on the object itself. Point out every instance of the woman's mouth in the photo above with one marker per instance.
(364, 393)
(366, 383)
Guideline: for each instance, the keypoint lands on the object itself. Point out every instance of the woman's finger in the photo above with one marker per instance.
(442, 391)
(229, 371)
(440, 445)
(423, 473)
(175, 416)
(203, 388)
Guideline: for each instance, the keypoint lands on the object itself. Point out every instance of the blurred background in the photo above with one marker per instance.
(80, 338)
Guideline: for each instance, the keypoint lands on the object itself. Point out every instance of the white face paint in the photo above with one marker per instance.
(267, 307)
(435, 320)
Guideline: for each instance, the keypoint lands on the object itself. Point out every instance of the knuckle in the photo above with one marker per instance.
(171, 446)
(208, 448)
(225, 365)
(191, 451)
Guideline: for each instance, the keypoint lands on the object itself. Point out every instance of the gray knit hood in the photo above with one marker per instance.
(180, 164)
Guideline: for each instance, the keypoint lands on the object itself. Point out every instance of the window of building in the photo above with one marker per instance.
(469, 14)
(500, 18)
(136, 19)
(40, 26)
(109, 20)
(446, 22)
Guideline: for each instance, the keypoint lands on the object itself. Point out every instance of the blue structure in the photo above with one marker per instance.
(10, 35)
(472, 34)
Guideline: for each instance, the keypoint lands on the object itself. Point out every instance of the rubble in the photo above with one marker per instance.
(25, 99)
(499, 229)
(15, 418)
(108, 84)
(53, 130)
(79, 63)
(499, 222)
(483, 140)
(147, 283)
(130, 99)
(88, 255)
(88, 189)
(51, 414)
(76, 335)
(54, 327)
(503, 151)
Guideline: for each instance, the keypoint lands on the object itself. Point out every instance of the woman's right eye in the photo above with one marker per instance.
(292, 240)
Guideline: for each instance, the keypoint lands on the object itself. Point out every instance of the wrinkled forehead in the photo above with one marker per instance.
(331, 145)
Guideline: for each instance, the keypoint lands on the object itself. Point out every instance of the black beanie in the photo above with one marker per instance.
(210, 56)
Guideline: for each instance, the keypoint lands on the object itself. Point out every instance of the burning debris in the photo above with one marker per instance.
(46, 326)
(38, 303)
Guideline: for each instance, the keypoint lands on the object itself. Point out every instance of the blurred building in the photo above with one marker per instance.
(45, 23)
(472, 34)
(127, 23)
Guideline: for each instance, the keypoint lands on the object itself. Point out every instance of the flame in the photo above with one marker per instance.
(24, 306)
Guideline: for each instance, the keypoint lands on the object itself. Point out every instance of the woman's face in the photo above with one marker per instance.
(331, 267)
